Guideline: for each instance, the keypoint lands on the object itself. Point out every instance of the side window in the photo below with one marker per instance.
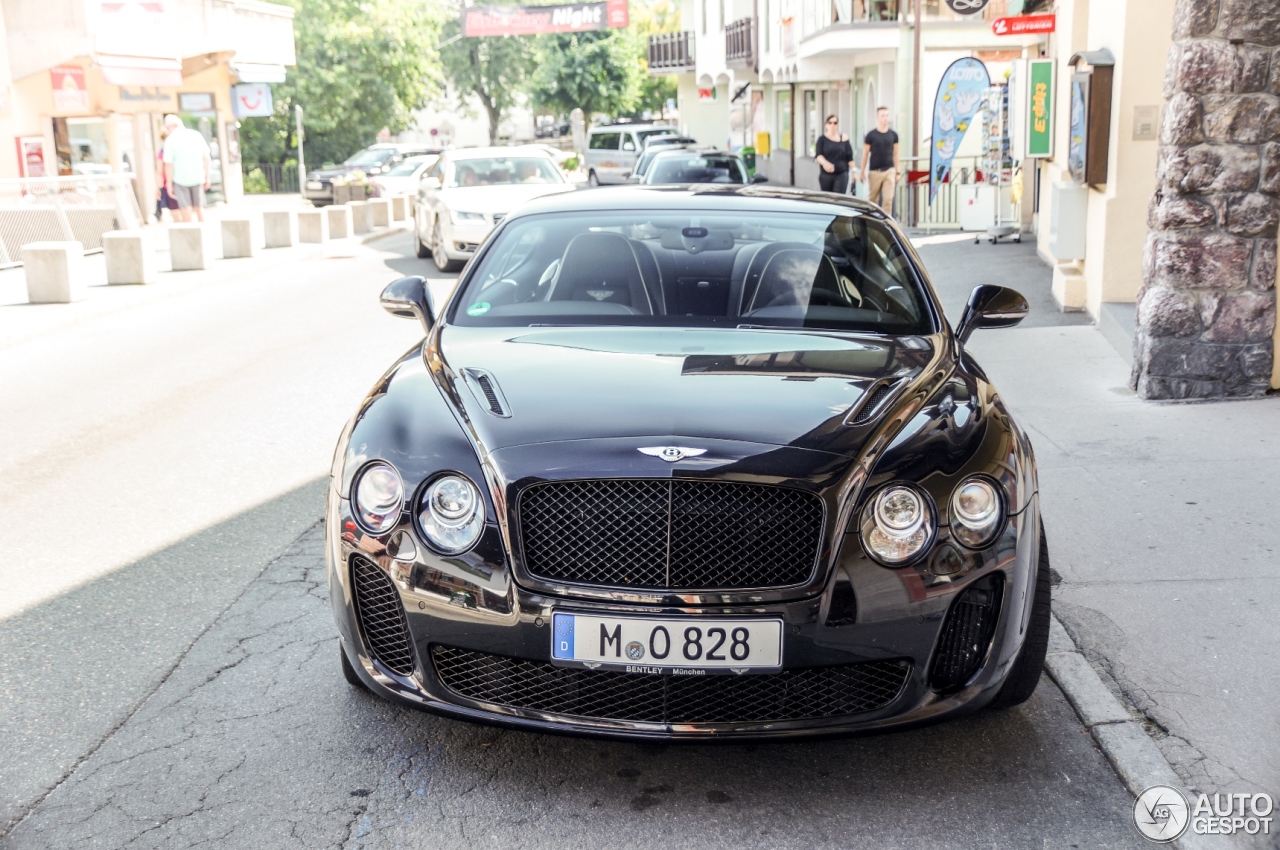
(604, 141)
(629, 142)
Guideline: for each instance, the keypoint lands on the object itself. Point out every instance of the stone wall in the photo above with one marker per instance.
(1207, 307)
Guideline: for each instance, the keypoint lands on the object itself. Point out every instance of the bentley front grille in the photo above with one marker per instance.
(670, 534)
(381, 617)
(803, 694)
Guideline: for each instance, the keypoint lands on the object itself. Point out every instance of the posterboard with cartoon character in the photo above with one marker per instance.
(959, 99)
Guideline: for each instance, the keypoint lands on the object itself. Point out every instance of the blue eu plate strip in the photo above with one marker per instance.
(562, 643)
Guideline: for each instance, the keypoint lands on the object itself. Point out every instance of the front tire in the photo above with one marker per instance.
(592, 179)
(1026, 671)
(443, 263)
(419, 246)
(349, 672)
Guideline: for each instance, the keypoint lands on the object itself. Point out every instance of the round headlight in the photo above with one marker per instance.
(451, 514)
(897, 525)
(976, 511)
(378, 497)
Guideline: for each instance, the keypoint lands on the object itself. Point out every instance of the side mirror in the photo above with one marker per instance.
(759, 178)
(407, 298)
(429, 184)
(991, 306)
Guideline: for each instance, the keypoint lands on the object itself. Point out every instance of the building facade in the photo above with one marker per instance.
(84, 84)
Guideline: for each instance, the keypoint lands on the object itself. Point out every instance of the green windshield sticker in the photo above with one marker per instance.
(479, 308)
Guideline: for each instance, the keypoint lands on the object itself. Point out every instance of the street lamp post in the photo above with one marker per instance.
(302, 166)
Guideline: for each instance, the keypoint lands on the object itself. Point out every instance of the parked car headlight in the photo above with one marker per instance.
(897, 525)
(451, 514)
(976, 512)
(378, 495)
(460, 217)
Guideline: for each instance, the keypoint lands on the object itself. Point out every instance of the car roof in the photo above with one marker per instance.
(613, 128)
(695, 151)
(712, 197)
(486, 153)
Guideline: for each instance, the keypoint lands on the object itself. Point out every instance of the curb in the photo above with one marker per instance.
(1136, 758)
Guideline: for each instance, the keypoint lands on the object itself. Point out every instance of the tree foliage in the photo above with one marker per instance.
(599, 72)
(361, 67)
(495, 71)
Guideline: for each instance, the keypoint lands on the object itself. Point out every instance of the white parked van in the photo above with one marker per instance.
(612, 150)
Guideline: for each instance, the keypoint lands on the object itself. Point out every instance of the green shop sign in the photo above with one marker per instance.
(1040, 108)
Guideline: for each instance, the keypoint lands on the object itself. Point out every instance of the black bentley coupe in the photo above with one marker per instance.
(688, 463)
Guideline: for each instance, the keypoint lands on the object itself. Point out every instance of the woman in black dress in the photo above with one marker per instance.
(833, 153)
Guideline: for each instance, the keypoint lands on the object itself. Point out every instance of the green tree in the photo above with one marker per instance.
(361, 67)
(599, 72)
(494, 70)
(652, 17)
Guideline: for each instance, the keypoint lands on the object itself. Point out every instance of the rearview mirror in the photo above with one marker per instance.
(991, 306)
(407, 298)
(759, 178)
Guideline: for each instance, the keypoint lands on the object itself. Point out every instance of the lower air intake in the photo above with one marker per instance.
(381, 617)
(967, 633)
(804, 694)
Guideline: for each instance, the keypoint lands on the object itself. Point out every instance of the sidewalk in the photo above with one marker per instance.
(20, 320)
(1162, 527)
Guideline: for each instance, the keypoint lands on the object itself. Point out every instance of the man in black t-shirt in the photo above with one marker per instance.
(880, 152)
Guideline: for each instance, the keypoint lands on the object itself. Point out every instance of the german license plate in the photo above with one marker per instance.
(658, 645)
(315, 185)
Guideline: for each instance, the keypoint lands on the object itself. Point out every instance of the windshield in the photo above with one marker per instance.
(696, 168)
(499, 171)
(697, 269)
(410, 166)
(661, 131)
(370, 158)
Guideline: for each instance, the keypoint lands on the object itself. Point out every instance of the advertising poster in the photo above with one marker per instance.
(251, 100)
(959, 99)
(482, 21)
(1040, 108)
(69, 91)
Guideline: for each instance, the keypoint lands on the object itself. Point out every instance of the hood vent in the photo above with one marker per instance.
(485, 388)
(871, 404)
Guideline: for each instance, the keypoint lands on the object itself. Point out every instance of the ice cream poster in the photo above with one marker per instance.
(958, 101)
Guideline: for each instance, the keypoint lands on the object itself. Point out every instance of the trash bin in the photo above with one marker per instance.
(749, 159)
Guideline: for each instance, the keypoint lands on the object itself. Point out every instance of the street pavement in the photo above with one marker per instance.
(168, 664)
(1162, 525)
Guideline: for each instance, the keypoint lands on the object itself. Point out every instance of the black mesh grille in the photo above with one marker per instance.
(490, 396)
(804, 694)
(967, 633)
(381, 616)
(670, 533)
(868, 408)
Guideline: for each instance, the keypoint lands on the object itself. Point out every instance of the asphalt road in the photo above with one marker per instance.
(168, 665)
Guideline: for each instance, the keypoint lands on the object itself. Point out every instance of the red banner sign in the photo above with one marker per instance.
(534, 20)
(1024, 25)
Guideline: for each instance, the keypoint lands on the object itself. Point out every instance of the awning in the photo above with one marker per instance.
(140, 71)
(249, 72)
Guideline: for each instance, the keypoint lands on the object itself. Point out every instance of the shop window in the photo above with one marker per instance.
(784, 120)
(812, 121)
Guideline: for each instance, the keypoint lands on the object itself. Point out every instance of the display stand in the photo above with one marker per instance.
(997, 164)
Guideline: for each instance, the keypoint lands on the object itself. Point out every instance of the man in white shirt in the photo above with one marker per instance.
(188, 169)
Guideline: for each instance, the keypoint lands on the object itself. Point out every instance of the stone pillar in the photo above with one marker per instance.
(55, 272)
(339, 221)
(1207, 307)
(128, 258)
(280, 228)
(313, 226)
(239, 238)
(192, 245)
(361, 221)
(379, 212)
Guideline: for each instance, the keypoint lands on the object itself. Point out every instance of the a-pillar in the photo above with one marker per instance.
(1207, 309)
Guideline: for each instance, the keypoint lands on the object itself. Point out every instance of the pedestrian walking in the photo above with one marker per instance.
(880, 153)
(188, 169)
(834, 155)
(164, 201)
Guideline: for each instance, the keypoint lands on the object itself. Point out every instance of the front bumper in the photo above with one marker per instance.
(464, 605)
(462, 240)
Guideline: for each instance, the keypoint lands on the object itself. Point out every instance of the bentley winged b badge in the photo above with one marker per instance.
(671, 454)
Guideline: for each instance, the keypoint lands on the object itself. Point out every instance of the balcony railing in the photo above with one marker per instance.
(740, 43)
(670, 52)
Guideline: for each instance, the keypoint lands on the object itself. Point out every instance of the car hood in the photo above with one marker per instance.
(498, 199)
(775, 388)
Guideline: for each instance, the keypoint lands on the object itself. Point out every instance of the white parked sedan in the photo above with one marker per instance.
(468, 192)
(403, 178)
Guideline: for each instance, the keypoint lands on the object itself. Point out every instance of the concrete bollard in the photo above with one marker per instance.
(359, 217)
(280, 228)
(192, 245)
(239, 238)
(380, 212)
(399, 207)
(339, 221)
(313, 226)
(55, 272)
(128, 258)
